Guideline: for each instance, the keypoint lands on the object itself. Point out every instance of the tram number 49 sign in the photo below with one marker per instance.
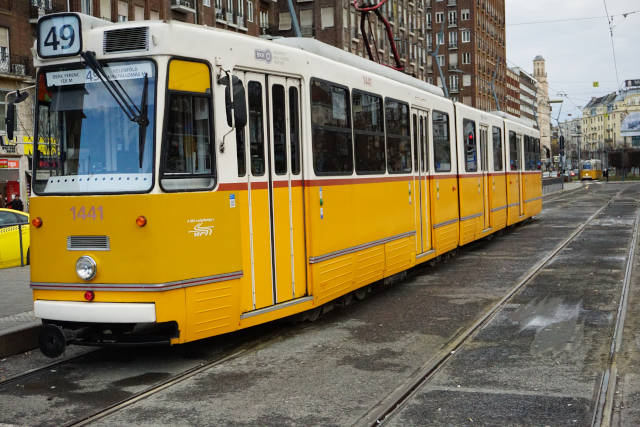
(59, 35)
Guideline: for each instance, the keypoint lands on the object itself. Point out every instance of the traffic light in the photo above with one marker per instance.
(561, 143)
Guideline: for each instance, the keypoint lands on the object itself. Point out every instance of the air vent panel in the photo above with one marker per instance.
(88, 243)
(126, 40)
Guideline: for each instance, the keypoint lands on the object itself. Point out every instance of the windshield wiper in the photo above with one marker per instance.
(134, 113)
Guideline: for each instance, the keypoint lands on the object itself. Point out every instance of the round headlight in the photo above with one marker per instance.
(86, 268)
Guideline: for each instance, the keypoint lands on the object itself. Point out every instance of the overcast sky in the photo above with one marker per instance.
(577, 51)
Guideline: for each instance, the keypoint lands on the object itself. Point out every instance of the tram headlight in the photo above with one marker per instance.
(86, 268)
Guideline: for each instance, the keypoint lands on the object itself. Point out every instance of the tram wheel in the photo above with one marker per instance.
(52, 341)
(361, 293)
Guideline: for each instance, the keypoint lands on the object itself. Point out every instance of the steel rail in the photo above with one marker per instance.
(176, 379)
(402, 394)
(604, 403)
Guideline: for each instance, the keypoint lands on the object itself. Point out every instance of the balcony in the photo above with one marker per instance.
(183, 6)
(16, 65)
(42, 4)
(229, 17)
(453, 46)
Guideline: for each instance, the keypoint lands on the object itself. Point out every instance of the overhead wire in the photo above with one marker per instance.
(613, 48)
(554, 21)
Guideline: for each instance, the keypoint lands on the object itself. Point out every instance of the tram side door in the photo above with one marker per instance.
(420, 123)
(274, 190)
(484, 153)
(286, 188)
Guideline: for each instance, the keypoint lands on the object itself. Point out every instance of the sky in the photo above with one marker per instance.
(577, 51)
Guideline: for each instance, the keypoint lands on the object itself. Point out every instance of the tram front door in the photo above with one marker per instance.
(275, 191)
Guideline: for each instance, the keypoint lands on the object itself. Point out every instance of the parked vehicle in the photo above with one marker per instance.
(10, 223)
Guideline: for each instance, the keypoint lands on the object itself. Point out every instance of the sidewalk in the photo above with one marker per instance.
(18, 326)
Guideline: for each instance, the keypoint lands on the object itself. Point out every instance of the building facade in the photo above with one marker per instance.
(512, 103)
(527, 96)
(466, 38)
(571, 130)
(543, 109)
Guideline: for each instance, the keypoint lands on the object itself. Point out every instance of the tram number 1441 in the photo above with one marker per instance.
(93, 213)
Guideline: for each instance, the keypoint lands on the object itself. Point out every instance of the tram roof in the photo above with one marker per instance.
(330, 52)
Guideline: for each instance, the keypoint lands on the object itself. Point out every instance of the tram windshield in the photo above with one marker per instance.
(86, 141)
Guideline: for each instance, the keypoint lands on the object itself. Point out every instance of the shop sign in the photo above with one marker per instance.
(9, 164)
(45, 148)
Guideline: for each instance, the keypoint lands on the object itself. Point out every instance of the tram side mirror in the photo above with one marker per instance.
(236, 110)
(10, 120)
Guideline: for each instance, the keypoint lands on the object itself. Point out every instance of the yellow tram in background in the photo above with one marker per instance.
(185, 192)
(591, 169)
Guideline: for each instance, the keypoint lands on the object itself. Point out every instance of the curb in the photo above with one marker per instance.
(19, 339)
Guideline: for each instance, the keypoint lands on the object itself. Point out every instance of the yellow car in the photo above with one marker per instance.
(10, 239)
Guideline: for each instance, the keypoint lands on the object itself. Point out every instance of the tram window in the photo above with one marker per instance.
(525, 140)
(497, 149)
(294, 130)
(538, 165)
(331, 129)
(424, 160)
(398, 137)
(414, 119)
(279, 129)
(513, 151)
(240, 152)
(256, 135)
(470, 151)
(189, 153)
(368, 132)
(441, 143)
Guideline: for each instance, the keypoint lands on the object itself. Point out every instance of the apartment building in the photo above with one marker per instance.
(512, 83)
(466, 38)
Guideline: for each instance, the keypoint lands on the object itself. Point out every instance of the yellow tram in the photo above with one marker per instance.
(591, 169)
(181, 192)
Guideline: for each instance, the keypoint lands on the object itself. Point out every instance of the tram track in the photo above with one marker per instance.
(396, 400)
(604, 404)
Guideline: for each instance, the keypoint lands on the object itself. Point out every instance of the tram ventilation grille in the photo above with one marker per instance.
(126, 39)
(88, 243)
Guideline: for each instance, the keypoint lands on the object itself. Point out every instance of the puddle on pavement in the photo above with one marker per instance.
(554, 323)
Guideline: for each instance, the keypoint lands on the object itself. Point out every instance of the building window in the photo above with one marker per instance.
(105, 9)
(326, 17)
(123, 11)
(138, 13)
(284, 23)
(466, 58)
(453, 18)
(428, 21)
(154, 15)
(240, 9)
(465, 15)
(453, 60)
(306, 22)
(230, 7)
(466, 36)
(453, 38)
(440, 59)
(439, 17)
(440, 38)
(453, 82)
(466, 80)
(250, 11)
(206, 3)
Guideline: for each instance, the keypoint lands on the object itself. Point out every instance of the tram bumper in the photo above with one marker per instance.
(100, 324)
